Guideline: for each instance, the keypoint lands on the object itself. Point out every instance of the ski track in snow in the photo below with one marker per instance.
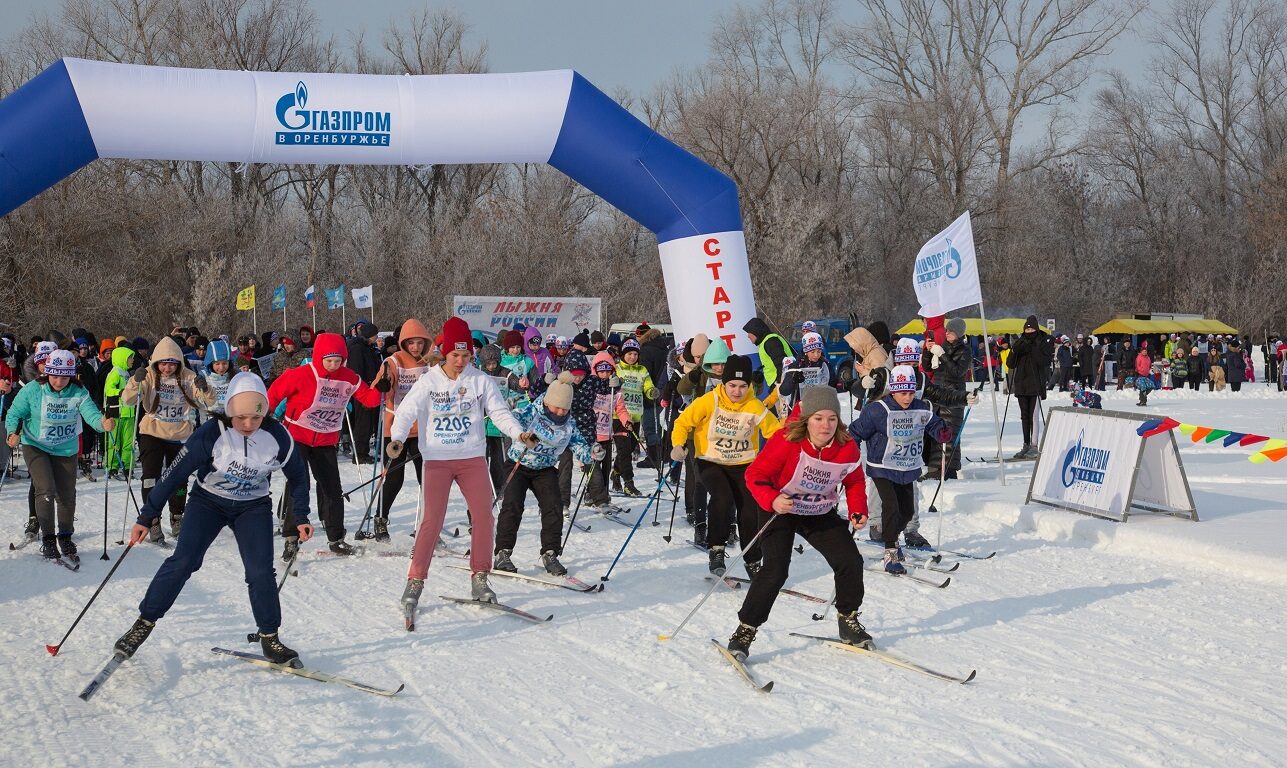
(1093, 646)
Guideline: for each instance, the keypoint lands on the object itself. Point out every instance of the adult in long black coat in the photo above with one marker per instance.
(1029, 363)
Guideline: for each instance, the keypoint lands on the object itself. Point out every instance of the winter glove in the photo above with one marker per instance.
(868, 382)
(140, 374)
(678, 453)
(383, 384)
(788, 361)
(695, 375)
(529, 439)
(614, 382)
(598, 452)
(394, 449)
(201, 384)
(652, 393)
(551, 377)
(972, 399)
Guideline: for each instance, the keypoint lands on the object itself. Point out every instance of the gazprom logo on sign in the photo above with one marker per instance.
(469, 309)
(329, 127)
(1083, 464)
(939, 264)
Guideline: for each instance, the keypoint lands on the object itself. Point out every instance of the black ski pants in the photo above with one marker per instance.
(1027, 408)
(397, 473)
(828, 534)
(52, 478)
(155, 455)
(730, 497)
(598, 490)
(323, 464)
(897, 506)
(544, 483)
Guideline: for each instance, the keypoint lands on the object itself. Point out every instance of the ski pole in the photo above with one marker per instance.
(585, 486)
(500, 494)
(54, 649)
(718, 581)
(106, 482)
(674, 502)
(651, 500)
(827, 610)
(405, 458)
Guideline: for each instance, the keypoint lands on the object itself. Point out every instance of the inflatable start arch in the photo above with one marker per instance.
(77, 111)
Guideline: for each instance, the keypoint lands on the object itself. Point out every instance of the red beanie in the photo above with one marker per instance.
(513, 339)
(456, 337)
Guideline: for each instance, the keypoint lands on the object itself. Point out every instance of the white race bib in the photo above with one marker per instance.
(815, 485)
(326, 412)
(59, 419)
(730, 437)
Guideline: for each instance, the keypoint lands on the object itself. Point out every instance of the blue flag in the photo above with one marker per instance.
(279, 298)
(335, 297)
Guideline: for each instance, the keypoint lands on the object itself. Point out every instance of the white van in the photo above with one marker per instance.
(627, 330)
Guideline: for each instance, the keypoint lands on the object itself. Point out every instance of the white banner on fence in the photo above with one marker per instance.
(496, 314)
(1097, 463)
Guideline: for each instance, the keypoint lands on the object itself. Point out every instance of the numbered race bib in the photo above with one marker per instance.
(171, 408)
(730, 437)
(814, 377)
(407, 377)
(326, 412)
(906, 430)
(242, 466)
(220, 389)
(451, 416)
(815, 485)
(59, 419)
(603, 417)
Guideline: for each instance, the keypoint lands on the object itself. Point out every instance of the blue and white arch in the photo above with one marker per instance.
(77, 111)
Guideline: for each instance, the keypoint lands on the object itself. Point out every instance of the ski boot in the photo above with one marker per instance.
(176, 522)
(699, 535)
(616, 481)
(290, 550)
(381, 529)
(277, 653)
(480, 589)
(740, 643)
(68, 547)
(732, 537)
(915, 541)
(629, 489)
(752, 568)
(552, 564)
(33, 528)
(49, 547)
(503, 561)
(113, 474)
(154, 532)
(690, 518)
(131, 640)
(1023, 452)
(874, 534)
(853, 632)
(893, 563)
(716, 555)
(410, 599)
(343, 548)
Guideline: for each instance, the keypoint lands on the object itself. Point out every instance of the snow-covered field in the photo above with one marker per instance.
(1155, 642)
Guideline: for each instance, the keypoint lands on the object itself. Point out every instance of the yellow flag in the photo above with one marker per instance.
(246, 298)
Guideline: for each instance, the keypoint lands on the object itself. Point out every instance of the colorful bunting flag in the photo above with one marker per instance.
(1252, 440)
(1215, 435)
(1232, 438)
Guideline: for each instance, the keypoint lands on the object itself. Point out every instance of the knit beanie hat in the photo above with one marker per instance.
(808, 326)
(561, 343)
(512, 339)
(812, 341)
(246, 396)
(908, 352)
(1031, 322)
(61, 362)
(455, 336)
(582, 339)
(629, 345)
(902, 379)
(367, 330)
(603, 362)
(575, 363)
(559, 395)
(816, 398)
(43, 350)
(957, 326)
(737, 368)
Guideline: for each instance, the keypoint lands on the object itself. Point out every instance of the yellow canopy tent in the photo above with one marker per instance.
(1135, 327)
(973, 326)
(1207, 326)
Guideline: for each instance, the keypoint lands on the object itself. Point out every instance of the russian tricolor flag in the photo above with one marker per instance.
(308, 297)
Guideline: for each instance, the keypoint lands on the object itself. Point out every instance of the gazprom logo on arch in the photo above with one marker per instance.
(329, 127)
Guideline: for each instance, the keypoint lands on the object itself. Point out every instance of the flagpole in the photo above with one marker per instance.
(344, 306)
(254, 318)
(987, 354)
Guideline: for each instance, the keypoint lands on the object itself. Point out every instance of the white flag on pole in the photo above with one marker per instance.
(362, 297)
(946, 276)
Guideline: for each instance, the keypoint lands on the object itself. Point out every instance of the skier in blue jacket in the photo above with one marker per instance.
(233, 457)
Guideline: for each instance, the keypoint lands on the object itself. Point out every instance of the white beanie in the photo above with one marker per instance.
(60, 363)
(256, 401)
(902, 379)
(559, 395)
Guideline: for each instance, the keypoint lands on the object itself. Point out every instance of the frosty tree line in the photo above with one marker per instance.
(851, 131)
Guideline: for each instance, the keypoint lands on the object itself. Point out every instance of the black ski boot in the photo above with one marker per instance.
(49, 547)
(752, 568)
(176, 522)
(154, 532)
(503, 561)
(732, 537)
(552, 564)
(616, 481)
(915, 540)
(629, 489)
(277, 653)
(874, 534)
(1023, 452)
(33, 527)
(699, 535)
(343, 548)
(381, 529)
(740, 643)
(68, 547)
(131, 640)
(851, 631)
(716, 555)
(290, 549)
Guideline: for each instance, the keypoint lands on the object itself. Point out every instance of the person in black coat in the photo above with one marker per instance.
(1029, 362)
(1064, 355)
(364, 360)
(653, 352)
(950, 365)
(1235, 367)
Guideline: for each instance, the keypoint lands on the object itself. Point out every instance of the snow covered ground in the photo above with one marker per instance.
(1155, 642)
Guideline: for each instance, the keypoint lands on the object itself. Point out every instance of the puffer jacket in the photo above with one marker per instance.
(298, 386)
